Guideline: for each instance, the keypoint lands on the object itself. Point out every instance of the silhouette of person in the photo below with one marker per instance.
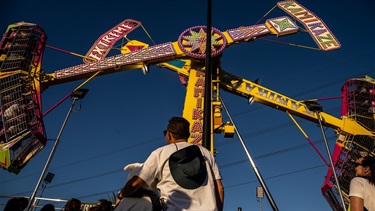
(16, 204)
(73, 205)
(48, 207)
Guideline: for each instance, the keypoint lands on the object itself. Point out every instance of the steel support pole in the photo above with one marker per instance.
(207, 119)
(257, 173)
(330, 160)
(32, 198)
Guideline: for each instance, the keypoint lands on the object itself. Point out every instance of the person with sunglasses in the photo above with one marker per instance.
(362, 186)
(187, 174)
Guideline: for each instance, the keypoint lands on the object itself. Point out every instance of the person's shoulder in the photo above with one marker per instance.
(157, 150)
(162, 149)
(203, 148)
(359, 180)
(206, 152)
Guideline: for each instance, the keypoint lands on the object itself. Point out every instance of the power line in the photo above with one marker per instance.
(279, 175)
(301, 146)
(96, 156)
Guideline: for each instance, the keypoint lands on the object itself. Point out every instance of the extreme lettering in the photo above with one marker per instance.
(105, 42)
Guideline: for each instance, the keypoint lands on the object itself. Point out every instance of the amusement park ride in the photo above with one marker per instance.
(22, 82)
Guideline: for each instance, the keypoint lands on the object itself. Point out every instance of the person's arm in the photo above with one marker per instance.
(131, 186)
(356, 203)
(118, 200)
(219, 192)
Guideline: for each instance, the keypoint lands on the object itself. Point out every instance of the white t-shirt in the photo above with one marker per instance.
(132, 203)
(135, 204)
(156, 167)
(361, 188)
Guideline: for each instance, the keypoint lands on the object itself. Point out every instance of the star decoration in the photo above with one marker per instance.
(284, 24)
(288, 4)
(197, 41)
(215, 43)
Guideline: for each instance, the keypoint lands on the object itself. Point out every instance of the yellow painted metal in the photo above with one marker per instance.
(296, 123)
(228, 130)
(133, 44)
(263, 95)
(194, 105)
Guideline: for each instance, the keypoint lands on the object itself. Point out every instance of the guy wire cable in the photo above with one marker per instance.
(257, 173)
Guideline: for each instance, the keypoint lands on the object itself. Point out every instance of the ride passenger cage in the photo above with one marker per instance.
(358, 103)
(22, 133)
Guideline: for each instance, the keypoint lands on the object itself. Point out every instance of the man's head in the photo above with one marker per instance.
(178, 128)
(365, 166)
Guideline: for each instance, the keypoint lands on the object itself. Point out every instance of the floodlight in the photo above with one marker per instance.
(79, 94)
(260, 192)
(312, 105)
(48, 179)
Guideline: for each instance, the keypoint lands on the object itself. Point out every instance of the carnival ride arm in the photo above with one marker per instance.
(257, 93)
(191, 45)
(260, 94)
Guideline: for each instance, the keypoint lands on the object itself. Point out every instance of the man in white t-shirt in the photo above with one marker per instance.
(187, 180)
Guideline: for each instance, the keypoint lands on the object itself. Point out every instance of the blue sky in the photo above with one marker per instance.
(121, 119)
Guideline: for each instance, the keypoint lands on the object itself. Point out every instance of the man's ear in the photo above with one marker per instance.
(367, 171)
